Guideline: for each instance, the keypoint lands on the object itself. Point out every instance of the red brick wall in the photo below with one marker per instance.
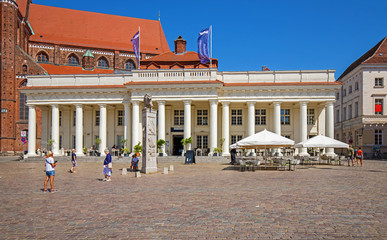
(13, 32)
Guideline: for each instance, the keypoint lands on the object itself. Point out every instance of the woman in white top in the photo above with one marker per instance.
(50, 171)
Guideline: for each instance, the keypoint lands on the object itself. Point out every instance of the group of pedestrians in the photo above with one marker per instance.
(50, 165)
(355, 154)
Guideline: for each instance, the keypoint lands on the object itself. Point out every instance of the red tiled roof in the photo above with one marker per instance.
(21, 4)
(94, 30)
(376, 55)
(64, 69)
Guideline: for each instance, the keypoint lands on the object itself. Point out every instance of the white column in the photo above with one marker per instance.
(161, 126)
(303, 127)
(79, 130)
(277, 122)
(251, 122)
(277, 117)
(213, 125)
(31, 130)
(55, 129)
(126, 124)
(226, 128)
(329, 126)
(187, 120)
(102, 128)
(135, 123)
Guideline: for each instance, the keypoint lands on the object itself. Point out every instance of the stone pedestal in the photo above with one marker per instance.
(149, 150)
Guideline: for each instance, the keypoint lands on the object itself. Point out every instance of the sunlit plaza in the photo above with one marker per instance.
(199, 201)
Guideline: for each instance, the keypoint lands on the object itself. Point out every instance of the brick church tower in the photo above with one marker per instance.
(15, 64)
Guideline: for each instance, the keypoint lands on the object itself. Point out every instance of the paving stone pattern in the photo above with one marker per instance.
(202, 201)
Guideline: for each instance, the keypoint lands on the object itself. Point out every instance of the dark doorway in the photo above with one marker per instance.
(177, 146)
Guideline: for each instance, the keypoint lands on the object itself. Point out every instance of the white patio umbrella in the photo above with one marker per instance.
(264, 140)
(321, 141)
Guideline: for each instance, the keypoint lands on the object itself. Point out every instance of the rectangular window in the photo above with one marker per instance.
(378, 137)
(356, 109)
(337, 96)
(285, 116)
(349, 112)
(345, 92)
(344, 114)
(202, 141)
(356, 86)
(379, 82)
(75, 118)
(235, 138)
(379, 106)
(120, 120)
(97, 118)
(350, 89)
(74, 139)
(311, 118)
(179, 117)
(202, 117)
(60, 118)
(337, 115)
(260, 116)
(23, 108)
(236, 117)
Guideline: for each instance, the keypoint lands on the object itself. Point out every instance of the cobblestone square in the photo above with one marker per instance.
(202, 201)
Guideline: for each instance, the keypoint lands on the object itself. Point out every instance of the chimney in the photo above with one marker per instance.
(180, 45)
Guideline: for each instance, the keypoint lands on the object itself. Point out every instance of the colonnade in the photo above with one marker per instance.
(133, 121)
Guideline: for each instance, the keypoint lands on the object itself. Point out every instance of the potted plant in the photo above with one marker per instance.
(221, 142)
(217, 151)
(126, 152)
(84, 150)
(97, 143)
(137, 148)
(160, 143)
(185, 143)
(50, 143)
(123, 142)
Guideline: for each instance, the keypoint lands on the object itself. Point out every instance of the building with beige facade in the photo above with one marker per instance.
(204, 103)
(360, 108)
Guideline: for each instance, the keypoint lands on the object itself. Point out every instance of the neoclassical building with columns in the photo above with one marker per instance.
(211, 106)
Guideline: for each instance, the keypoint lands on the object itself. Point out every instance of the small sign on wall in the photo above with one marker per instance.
(4, 110)
(23, 133)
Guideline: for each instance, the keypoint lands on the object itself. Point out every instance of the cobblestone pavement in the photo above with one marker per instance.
(202, 201)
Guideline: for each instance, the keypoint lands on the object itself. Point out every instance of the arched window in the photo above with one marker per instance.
(103, 63)
(23, 109)
(129, 65)
(73, 59)
(42, 57)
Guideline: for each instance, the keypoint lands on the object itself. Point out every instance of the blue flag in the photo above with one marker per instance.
(203, 49)
(136, 46)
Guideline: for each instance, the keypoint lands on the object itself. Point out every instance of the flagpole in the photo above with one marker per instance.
(139, 44)
(211, 48)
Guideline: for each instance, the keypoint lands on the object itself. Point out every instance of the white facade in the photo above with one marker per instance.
(356, 120)
(204, 104)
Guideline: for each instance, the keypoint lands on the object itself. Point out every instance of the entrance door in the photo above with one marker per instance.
(177, 146)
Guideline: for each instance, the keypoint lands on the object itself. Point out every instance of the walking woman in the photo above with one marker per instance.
(50, 171)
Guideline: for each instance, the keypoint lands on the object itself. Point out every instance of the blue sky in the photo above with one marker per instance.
(281, 34)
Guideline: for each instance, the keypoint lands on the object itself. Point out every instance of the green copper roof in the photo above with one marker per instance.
(88, 53)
